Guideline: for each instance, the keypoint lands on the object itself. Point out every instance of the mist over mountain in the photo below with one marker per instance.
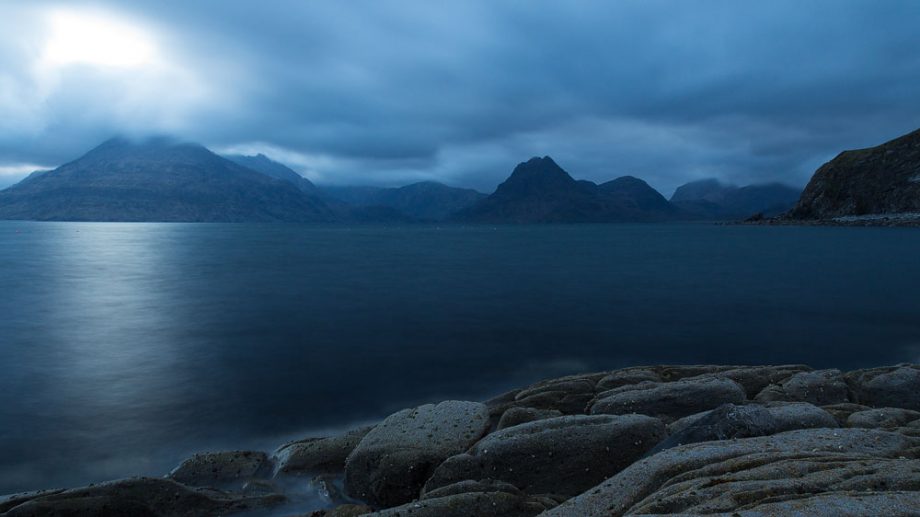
(277, 170)
(158, 179)
(712, 199)
(424, 201)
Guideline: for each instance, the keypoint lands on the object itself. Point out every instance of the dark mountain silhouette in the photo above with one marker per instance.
(539, 191)
(874, 181)
(712, 199)
(424, 201)
(269, 167)
(157, 180)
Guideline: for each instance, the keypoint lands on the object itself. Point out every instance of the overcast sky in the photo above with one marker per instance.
(389, 92)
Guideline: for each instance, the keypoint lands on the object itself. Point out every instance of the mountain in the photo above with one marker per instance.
(874, 181)
(157, 180)
(425, 201)
(539, 191)
(271, 168)
(712, 199)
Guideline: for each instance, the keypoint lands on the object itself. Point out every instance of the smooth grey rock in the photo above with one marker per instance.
(887, 387)
(392, 462)
(821, 388)
(521, 415)
(480, 499)
(712, 477)
(228, 470)
(140, 497)
(313, 456)
(563, 455)
(885, 418)
(799, 415)
(841, 412)
(568, 395)
(755, 378)
(723, 423)
(837, 504)
(626, 377)
(670, 400)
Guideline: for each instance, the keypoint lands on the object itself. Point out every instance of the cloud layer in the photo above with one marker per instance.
(387, 92)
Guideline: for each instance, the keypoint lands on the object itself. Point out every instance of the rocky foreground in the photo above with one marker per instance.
(661, 440)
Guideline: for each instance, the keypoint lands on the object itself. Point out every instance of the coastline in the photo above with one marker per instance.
(655, 440)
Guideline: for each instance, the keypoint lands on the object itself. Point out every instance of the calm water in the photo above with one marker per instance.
(125, 346)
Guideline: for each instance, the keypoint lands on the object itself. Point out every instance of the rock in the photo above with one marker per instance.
(755, 378)
(318, 455)
(344, 510)
(228, 470)
(521, 415)
(625, 378)
(887, 387)
(713, 477)
(140, 497)
(392, 462)
(886, 418)
(563, 455)
(479, 498)
(841, 412)
(821, 388)
(723, 423)
(670, 400)
(837, 504)
(568, 395)
(799, 415)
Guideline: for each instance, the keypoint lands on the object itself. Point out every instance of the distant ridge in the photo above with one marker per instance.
(157, 179)
(422, 201)
(712, 199)
(540, 191)
(277, 170)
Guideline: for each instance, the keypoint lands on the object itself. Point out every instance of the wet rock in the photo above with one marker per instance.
(671, 400)
(713, 477)
(344, 510)
(885, 418)
(228, 470)
(480, 498)
(569, 395)
(753, 379)
(392, 462)
(318, 455)
(626, 377)
(141, 497)
(521, 415)
(821, 388)
(837, 504)
(887, 387)
(563, 455)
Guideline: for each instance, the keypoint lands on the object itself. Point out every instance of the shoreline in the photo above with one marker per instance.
(605, 443)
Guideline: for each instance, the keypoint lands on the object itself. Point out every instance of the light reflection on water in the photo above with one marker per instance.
(124, 347)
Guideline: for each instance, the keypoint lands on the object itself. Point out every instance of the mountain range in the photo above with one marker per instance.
(163, 179)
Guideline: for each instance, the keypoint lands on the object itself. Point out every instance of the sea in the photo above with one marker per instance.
(126, 347)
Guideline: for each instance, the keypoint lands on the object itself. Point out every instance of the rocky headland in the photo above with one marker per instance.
(658, 440)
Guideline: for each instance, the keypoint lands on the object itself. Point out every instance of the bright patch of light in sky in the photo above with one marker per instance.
(96, 39)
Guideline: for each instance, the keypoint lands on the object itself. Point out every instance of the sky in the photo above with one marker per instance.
(389, 92)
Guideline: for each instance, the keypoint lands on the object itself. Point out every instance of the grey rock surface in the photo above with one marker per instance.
(564, 455)
(228, 470)
(393, 461)
(521, 415)
(885, 418)
(318, 455)
(821, 388)
(725, 476)
(669, 400)
(887, 387)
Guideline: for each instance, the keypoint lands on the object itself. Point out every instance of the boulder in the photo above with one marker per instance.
(564, 455)
(821, 388)
(837, 504)
(568, 395)
(725, 476)
(841, 412)
(723, 423)
(799, 415)
(521, 415)
(392, 462)
(313, 456)
(228, 470)
(479, 498)
(887, 387)
(885, 418)
(344, 510)
(755, 378)
(141, 497)
(626, 377)
(669, 400)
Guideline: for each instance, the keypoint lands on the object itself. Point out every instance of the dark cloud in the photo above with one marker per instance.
(391, 91)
